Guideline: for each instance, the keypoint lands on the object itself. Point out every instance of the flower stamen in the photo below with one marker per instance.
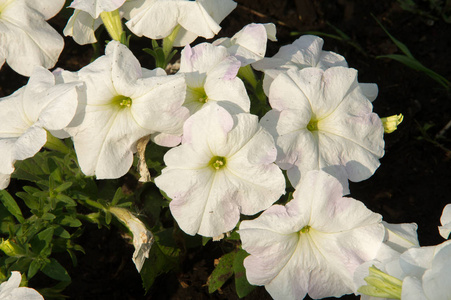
(217, 162)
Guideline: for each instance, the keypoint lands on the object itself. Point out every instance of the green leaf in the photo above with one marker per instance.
(70, 221)
(56, 271)
(157, 263)
(33, 268)
(11, 205)
(242, 286)
(42, 240)
(222, 272)
(61, 232)
(398, 44)
(119, 195)
(67, 200)
(30, 201)
(63, 187)
(416, 65)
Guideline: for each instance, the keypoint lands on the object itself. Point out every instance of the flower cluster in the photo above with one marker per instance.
(225, 161)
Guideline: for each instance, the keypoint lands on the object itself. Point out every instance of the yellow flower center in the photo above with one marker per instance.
(312, 125)
(305, 229)
(122, 101)
(198, 94)
(217, 162)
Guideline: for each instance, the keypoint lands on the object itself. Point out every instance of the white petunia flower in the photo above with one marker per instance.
(142, 237)
(445, 220)
(304, 52)
(398, 238)
(95, 7)
(313, 244)
(321, 120)
(249, 44)
(124, 103)
(210, 75)
(224, 167)
(27, 115)
(26, 40)
(10, 290)
(157, 19)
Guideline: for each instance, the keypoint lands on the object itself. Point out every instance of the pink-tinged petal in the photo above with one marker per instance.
(249, 44)
(202, 58)
(95, 7)
(28, 40)
(81, 27)
(165, 139)
(445, 220)
(303, 53)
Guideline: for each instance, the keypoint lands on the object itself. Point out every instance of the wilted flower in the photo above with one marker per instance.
(249, 44)
(321, 120)
(123, 103)
(10, 290)
(27, 115)
(210, 75)
(224, 167)
(313, 244)
(184, 19)
(142, 238)
(26, 40)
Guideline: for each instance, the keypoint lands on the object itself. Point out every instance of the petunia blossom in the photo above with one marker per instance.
(445, 220)
(313, 244)
(26, 39)
(210, 74)
(398, 238)
(27, 115)
(249, 44)
(123, 103)
(224, 167)
(11, 290)
(159, 18)
(96, 7)
(321, 120)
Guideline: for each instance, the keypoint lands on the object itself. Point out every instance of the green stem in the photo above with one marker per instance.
(168, 41)
(56, 144)
(113, 24)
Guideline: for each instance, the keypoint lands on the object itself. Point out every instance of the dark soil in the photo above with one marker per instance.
(413, 183)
